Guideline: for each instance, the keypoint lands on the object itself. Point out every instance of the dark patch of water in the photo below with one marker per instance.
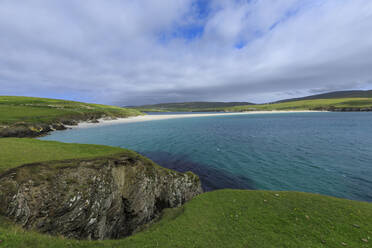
(211, 178)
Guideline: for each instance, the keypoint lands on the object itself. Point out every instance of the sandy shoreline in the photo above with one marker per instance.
(143, 118)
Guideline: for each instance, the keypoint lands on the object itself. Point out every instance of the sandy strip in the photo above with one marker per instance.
(143, 118)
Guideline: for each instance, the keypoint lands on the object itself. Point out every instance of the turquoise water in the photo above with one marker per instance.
(327, 153)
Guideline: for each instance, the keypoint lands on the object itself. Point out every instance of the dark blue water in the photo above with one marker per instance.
(327, 153)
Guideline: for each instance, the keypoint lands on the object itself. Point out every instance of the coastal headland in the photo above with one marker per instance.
(54, 194)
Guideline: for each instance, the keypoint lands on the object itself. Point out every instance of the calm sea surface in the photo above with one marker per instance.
(327, 153)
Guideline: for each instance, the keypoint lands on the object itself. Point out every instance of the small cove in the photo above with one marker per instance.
(328, 153)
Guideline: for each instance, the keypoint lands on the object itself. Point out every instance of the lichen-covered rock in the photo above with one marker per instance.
(98, 198)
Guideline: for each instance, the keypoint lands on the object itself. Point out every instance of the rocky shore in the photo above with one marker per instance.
(25, 129)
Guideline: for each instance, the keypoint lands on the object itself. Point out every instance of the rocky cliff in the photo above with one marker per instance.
(21, 130)
(24, 129)
(102, 198)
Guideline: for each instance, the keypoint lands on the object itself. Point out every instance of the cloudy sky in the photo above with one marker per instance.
(150, 51)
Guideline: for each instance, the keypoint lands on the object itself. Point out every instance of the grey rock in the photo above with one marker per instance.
(102, 198)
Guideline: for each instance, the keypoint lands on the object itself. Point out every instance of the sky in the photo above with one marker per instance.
(133, 52)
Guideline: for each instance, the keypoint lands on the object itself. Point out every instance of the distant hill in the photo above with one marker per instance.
(195, 106)
(333, 95)
(353, 100)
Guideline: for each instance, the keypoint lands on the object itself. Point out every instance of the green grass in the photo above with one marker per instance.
(236, 218)
(334, 95)
(15, 151)
(16, 109)
(318, 104)
(184, 106)
(310, 104)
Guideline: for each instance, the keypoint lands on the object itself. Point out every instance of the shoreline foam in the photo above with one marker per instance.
(144, 118)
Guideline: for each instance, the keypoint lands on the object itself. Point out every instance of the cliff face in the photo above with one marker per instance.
(102, 198)
(23, 129)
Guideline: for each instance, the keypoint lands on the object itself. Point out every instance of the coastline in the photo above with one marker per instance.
(145, 118)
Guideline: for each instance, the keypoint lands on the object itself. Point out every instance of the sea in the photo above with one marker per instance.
(328, 153)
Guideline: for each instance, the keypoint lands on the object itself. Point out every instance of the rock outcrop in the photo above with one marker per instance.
(101, 198)
(24, 129)
(21, 130)
(37, 129)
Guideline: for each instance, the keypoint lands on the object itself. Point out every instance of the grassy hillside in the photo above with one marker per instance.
(338, 104)
(334, 95)
(354, 100)
(15, 109)
(236, 218)
(15, 151)
(341, 104)
(187, 106)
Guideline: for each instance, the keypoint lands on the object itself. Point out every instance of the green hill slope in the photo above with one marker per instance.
(190, 106)
(356, 100)
(30, 116)
(15, 109)
(338, 104)
(333, 95)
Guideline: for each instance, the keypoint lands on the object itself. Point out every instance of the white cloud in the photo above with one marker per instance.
(113, 52)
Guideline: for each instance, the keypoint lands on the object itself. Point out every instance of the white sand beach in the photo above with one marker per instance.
(143, 118)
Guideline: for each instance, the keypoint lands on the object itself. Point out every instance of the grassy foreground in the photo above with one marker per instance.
(32, 110)
(17, 151)
(236, 218)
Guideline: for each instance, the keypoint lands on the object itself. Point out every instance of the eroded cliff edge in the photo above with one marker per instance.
(101, 198)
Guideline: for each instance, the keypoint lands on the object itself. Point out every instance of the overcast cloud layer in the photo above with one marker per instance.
(151, 51)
